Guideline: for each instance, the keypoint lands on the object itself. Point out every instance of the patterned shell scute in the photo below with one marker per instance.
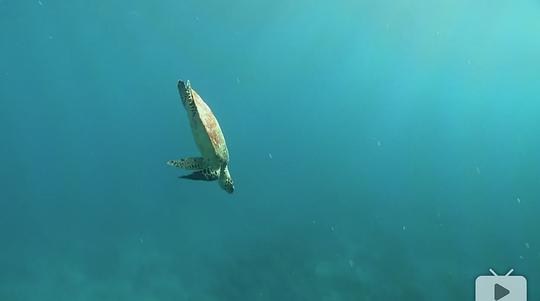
(211, 127)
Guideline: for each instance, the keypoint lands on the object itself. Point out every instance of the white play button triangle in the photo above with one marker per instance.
(500, 292)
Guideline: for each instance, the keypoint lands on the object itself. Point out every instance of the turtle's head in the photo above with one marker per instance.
(184, 88)
(225, 180)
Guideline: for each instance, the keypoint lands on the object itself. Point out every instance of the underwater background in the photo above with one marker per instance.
(381, 150)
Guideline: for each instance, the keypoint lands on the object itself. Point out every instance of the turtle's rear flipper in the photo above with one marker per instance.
(203, 175)
(193, 163)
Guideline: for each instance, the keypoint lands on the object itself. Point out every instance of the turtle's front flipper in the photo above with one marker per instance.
(206, 174)
(194, 163)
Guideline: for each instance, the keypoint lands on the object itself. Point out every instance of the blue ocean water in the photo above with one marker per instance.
(381, 150)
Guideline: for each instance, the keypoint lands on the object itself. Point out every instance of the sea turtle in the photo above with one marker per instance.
(213, 165)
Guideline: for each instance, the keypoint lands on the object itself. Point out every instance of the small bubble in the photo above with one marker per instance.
(518, 200)
(404, 228)
(332, 228)
(40, 3)
(270, 156)
(351, 263)
(527, 245)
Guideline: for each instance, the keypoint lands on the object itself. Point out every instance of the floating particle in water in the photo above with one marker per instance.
(404, 228)
(469, 62)
(314, 222)
(527, 245)
(141, 240)
(478, 170)
(270, 156)
(379, 143)
(518, 200)
(351, 263)
(40, 3)
(521, 257)
(50, 37)
(438, 33)
(237, 80)
(332, 228)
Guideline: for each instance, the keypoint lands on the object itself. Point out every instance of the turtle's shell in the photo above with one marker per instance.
(206, 131)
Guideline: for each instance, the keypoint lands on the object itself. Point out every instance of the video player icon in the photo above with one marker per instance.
(504, 288)
(500, 292)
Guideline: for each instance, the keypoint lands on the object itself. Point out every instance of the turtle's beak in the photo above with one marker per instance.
(184, 85)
